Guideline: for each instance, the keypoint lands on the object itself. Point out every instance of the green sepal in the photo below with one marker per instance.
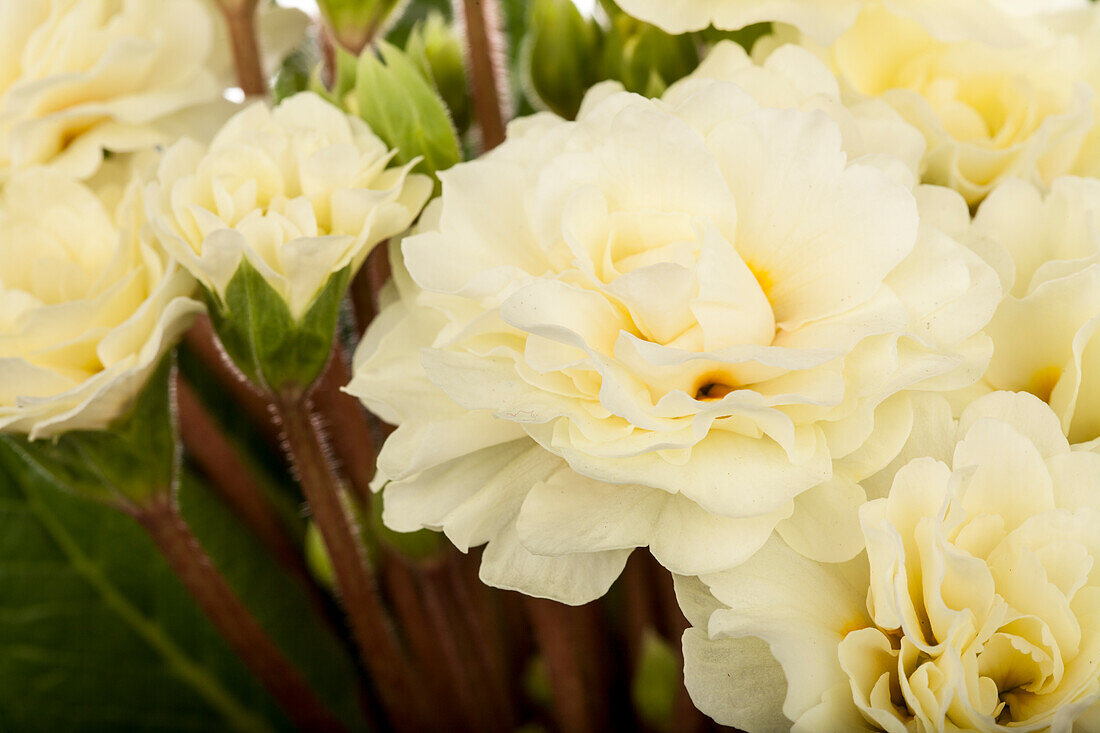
(559, 56)
(656, 682)
(271, 348)
(135, 459)
(404, 110)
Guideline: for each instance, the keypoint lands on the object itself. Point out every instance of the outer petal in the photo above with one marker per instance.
(571, 579)
(776, 596)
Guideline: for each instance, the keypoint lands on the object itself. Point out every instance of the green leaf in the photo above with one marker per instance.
(276, 599)
(96, 633)
(133, 460)
(656, 681)
(404, 109)
(263, 339)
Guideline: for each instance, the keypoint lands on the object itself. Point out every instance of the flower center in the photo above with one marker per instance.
(713, 391)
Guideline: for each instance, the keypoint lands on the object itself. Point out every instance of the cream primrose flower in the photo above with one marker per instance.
(81, 76)
(988, 114)
(992, 21)
(1085, 23)
(301, 192)
(662, 325)
(88, 303)
(976, 606)
(1046, 332)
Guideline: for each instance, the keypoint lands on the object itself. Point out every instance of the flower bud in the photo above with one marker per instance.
(656, 682)
(273, 218)
(404, 109)
(646, 59)
(317, 557)
(438, 49)
(560, 55)
(355, 22)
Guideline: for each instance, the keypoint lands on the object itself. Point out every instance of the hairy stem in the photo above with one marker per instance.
(568, 641)
(332, 511)
(162, 520)
(212, 451)
(240, 16)
(352, 438)
(366, 286)
(483, 42)
(484, 646)
(202, 341)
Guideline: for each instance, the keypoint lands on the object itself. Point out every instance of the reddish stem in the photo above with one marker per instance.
(403, 591)
(484, 647)
(331, 509)
(205, 344)
(210, 449)
(367, 284)
(240, 16)
(486, 56)
(352, 438)
(569, 640)
(161, 518)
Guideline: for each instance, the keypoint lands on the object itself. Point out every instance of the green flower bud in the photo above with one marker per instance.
(317, 557)
(355, 23)
(404, 109)
(656, 682)
(559, 57)
(441, 56)
(645, 58)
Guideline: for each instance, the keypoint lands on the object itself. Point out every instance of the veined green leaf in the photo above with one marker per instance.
(96, 633)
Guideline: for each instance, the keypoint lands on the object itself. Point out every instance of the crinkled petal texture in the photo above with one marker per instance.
(988, 113)
(991, 21)
(700, 315)
(88, 304)
(301, 191)
(976, 606)
(1046, 332)
(81, 76)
